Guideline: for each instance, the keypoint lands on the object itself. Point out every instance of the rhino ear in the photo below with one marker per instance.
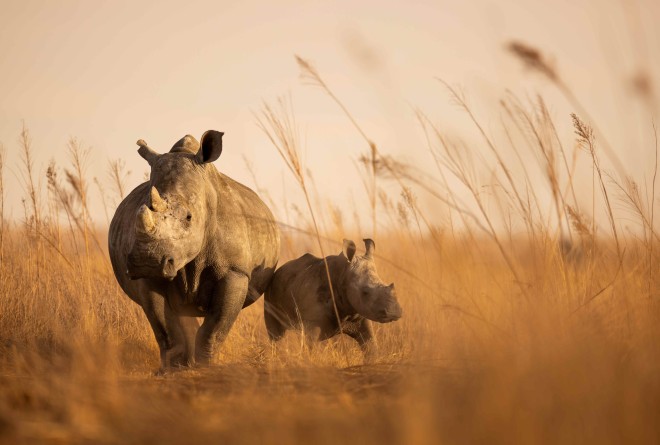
(370, 247)
(148, 153)
(349, 248)
(210, 146)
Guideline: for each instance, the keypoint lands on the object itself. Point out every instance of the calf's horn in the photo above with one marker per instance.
(370, 247)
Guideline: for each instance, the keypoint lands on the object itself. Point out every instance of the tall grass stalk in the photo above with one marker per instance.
(2, 206)
(99, 187)
(534, 59)
(118, 176)
(310, 74)
(586, 138)
(79, 159)
(652, 206)
(25, 142)
(64, 203)
(32, 205)
(454, 163)
(536, 122)
(280, 127)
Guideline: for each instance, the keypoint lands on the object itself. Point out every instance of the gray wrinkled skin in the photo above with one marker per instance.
(192, 242)
(299, 297)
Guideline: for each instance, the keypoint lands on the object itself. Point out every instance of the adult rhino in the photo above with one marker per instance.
(192, 242)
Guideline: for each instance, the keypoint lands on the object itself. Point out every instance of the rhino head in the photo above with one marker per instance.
(172, 225)
(365, 291)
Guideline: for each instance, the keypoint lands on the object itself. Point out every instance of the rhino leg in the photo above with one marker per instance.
(275, 328)
(181, 333)
(190, 326)
(363, 333)
(227, 302)
(153, 306)
(166, 327)
(311, 334)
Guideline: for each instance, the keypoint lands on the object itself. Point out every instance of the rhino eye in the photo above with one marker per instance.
(189, 217)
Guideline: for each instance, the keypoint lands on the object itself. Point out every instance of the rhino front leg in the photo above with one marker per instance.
(153, 306)
(364, 335)
(311, 336)
(181, 332)
(274, 326)
(227, 302)
(168, 329)
(190, 326)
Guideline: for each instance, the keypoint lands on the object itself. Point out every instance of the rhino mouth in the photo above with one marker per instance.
(389, 315)
(165, 268)
(141, 275)
(385, 320)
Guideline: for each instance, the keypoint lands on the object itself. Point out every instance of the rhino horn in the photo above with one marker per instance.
(157, 203)
(187, 144)
(370, 246)
(145, 220)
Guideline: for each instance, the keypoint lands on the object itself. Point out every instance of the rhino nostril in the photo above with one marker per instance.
(168, 267)
(390, 312)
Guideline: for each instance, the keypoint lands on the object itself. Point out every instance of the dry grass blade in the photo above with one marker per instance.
(533, 59)
(279, 126)
(2, 204)
(118, 176)
(31, 187)
(579, 222)
(309, 73)
(652, 206)
(104, 201)
(587, 139)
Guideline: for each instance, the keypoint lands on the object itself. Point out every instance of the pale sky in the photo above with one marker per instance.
(113, 72)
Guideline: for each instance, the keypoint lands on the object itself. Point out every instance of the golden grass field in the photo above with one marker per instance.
(521, 324)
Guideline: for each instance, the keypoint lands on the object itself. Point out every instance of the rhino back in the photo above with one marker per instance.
(245, 235)
(300, 288)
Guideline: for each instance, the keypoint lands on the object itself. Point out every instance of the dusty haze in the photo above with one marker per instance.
(111, 73)
(525, 257)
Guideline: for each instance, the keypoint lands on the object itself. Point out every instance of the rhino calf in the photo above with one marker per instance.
(299, 297)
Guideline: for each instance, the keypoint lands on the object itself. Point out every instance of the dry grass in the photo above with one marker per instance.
(473, 359)
(524, 321)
